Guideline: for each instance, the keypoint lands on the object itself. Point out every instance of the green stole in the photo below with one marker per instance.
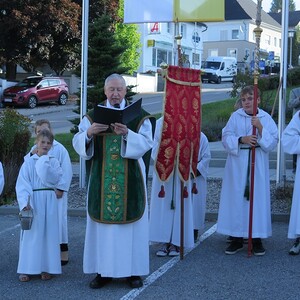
(116, 193)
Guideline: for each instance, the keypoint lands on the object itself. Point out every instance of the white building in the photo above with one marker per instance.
(159, 44)
(233, 37)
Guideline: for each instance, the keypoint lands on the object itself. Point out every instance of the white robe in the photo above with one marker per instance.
(291, 145)
(62, 155)
(164, 221)
(1, 178)
(233, 218)
(199, 200)
(39, 246)
(114, 250)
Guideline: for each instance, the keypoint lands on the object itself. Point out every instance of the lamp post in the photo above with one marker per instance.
(291, 33)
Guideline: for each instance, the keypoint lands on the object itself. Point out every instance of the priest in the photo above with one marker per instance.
(116, 241)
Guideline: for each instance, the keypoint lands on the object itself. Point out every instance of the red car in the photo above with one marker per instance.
(35, 90)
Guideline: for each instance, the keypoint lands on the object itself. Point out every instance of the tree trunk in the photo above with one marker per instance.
(11, 71)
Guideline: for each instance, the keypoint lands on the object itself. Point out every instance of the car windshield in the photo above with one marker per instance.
(29, 82)
(211, 65)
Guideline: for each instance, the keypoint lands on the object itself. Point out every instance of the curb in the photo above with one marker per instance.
(81, 212)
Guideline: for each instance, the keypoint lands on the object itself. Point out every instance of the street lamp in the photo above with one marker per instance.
(291, 33)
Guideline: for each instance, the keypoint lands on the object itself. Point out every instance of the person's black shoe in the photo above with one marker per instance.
(64, 254)
(196, 235)
(257, 247)
(235, 246)
(135, 282)
(99, 282)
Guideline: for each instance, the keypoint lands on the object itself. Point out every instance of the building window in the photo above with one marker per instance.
(232, 52)
(268, 39)
(161, 56)
(183, 30)
(169, 28)
(247, 55)
(213, 52)
(275, 41)
(235, 34)
(196, 59)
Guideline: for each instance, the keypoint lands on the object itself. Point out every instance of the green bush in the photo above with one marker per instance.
(14, 139)
(293, 78)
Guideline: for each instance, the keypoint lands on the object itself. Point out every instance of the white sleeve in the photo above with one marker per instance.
(80, 141)
(48, 170)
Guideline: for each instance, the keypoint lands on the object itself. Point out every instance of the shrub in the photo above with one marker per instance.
(14, 140)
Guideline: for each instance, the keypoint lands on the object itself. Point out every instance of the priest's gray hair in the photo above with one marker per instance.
(115, 76)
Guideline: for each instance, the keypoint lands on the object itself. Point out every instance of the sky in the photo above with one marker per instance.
(266, 5)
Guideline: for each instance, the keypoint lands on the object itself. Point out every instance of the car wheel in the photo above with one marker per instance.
(62, 100)
(32, 102)
(219, 80)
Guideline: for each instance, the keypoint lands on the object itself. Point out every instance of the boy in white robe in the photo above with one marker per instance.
(165, 212)
(62, 155)
(38, 179)
(237, 138)
(115, 248)
(1, 178)
(199, 199)
(291, 145)
(294, 103)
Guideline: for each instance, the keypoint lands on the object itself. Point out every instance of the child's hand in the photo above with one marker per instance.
(250, 139)
(34, 151)
(256, 123)
(59, 193)
(27, 207)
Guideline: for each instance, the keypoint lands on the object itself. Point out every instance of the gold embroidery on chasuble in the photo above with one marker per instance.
(114, 181)
(180, 139)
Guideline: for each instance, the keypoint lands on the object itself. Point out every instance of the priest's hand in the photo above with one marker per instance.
(119, 128)
(95, 129)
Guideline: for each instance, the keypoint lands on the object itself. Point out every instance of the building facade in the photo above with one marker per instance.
(232, 37)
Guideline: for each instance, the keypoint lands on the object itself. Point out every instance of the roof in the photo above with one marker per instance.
(246, 9)
(294, 17)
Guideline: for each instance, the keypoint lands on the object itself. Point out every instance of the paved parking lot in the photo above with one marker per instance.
(204, 273)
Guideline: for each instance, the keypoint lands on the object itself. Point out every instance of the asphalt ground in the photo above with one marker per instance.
(205, 272)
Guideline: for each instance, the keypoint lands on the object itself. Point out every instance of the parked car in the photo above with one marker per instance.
(35, 90)
(219, 69)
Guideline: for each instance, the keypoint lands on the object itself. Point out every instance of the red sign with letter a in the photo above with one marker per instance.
(154, 28)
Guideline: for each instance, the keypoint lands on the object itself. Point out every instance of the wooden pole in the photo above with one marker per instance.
(178, 38)
(181, 221)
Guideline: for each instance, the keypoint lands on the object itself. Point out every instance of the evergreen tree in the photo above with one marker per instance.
(103, 56)
(276, 6)
(127, 35)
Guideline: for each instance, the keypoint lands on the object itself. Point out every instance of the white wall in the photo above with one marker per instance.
(144, 83)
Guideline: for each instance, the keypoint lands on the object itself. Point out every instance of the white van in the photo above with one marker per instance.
(219, 68)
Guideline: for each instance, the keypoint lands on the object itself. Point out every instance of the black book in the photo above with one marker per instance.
(106, 115)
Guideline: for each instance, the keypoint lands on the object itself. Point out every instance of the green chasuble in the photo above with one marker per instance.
(116, 192)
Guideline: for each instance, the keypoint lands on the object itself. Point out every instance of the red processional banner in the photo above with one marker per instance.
(180, 138)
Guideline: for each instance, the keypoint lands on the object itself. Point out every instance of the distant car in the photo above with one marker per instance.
(35, 90)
